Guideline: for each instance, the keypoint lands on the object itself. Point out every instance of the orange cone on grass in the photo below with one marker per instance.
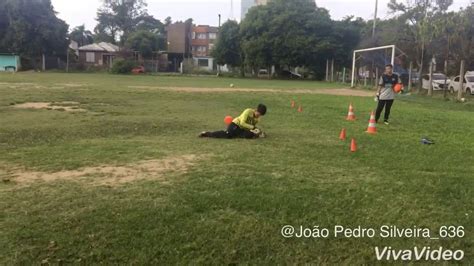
(351, 114)
(353, 145)
(293, 104)
(300, 109)
(342, 135)
(372, 129)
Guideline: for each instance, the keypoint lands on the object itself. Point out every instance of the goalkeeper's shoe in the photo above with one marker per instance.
(204, 134)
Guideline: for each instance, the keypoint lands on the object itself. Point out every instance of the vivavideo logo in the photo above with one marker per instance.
(417, 254)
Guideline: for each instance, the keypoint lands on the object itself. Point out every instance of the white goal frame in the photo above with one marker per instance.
(366, 50)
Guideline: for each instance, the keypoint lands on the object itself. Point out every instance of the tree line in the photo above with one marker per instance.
(297, 33)
(282, 34)
(31, 29)
(286, 34)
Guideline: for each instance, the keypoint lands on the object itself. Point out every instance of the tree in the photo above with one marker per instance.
(82, 36)
(462, 34)
(168, 21)
(287, 34)
(346, 35)
(150, 24)
(418, 16)
(118, 18)
(107, 29)
(31, 29)
(145, 42)
(227, 49)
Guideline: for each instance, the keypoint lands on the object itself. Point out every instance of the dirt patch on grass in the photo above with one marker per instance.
(66, 106)
(72, 85)
(340, 92)
(20, 85)
(57, 86)
(113, 175)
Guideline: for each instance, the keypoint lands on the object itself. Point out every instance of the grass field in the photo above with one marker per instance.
(205, 201)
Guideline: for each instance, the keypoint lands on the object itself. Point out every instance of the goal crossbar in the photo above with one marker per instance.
(367, 50)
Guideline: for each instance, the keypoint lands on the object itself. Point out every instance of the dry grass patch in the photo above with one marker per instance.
(339, 92)
(66, 106)
(72, 85)
(112, 175)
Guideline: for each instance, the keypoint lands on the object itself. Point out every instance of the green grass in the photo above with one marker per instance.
(98, 81)
(230, 206)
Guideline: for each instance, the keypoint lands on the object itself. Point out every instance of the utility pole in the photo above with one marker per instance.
(219, 31)
(327, 69)
(461, 81)
(373, 38)
(67, 60)
(332, 70)
(67, 55)
(445, 88)
(430, 88)
(375, 18)
(43, 59)
(410, 77)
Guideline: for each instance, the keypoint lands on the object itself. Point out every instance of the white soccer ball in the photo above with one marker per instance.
(463, 100)
(231, 85)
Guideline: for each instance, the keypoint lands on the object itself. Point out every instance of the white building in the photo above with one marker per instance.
(247, 4)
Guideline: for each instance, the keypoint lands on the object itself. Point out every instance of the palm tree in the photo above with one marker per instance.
(81, 35)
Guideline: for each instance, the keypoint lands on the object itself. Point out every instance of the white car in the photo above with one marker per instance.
(438, 81)
(468, 84)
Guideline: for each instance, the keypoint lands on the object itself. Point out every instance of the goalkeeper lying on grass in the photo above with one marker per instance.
(243, 126)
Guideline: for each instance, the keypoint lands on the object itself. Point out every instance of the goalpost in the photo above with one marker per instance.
(354, 59)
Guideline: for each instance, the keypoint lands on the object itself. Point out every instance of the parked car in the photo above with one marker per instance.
(468, 85)
(415, 77)
(138, 70)
(290, 75)
(438, 81)
(263, 73)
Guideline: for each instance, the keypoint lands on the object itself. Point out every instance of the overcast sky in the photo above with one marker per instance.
(206, 11)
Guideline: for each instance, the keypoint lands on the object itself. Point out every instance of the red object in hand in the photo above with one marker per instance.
(138, 70)
(398, 88)
(228, 120)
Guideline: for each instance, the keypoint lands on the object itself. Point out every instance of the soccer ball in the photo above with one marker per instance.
(231, 85)
(463, 100)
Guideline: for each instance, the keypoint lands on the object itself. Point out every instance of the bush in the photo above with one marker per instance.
(122, 66)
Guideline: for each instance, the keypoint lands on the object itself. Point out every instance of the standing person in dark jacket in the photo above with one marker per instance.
(386, 93)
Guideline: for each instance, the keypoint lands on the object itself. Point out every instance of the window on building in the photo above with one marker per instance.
(203, 62)
(212, 35)
(90, 57)
(193, 35)
(202, 49)
(202, 36)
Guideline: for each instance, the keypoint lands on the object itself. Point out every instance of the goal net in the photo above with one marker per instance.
(369, 64)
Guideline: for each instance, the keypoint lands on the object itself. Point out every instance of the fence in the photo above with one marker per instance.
(368, 77)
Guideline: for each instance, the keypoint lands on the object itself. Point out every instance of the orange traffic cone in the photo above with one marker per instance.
(353, 145)
(342, 136)
(350, 114)
(293, 104)
(372, 129)
(300, 109)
